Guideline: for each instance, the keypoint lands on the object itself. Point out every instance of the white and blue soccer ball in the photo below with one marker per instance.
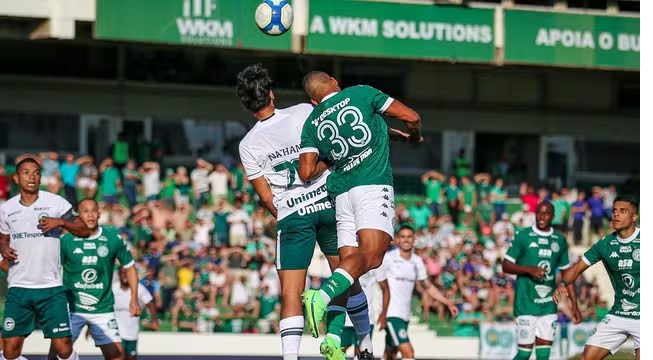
(274, 17)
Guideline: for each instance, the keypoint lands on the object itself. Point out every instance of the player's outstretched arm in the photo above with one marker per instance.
(409, 116)
(265, 193)
(566, 285)
(437, 295)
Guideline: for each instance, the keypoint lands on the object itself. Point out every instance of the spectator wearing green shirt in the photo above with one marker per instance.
(462, 164)
(468, 322)
(433, 182)
(498, 198)
(469, 192)
(130, 179)
(485, 214)
(169, 187)
(483, 184)
(110, 183)
(420, 215)
(454, 196)
(120, 153)
(559, 212)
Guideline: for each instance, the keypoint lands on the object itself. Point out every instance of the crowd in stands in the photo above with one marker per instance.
(205, 249)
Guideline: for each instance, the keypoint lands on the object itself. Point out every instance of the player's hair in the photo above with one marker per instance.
(253, 87)
(406, 227)
(25, 161)
(314, 83)
(629, 199)
(545, 203)
(85, 200)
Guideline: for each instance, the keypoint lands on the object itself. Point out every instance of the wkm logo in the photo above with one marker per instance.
(197, 24)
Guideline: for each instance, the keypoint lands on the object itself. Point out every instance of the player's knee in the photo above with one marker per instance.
(407, 351)
(63, 347)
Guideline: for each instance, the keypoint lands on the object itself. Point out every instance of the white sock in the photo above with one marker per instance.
(291, 330)
(73, 356)
(358, 312)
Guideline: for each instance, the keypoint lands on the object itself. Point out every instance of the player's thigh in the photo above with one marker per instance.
(103, 328)
(526, 329)
(130, 348)
(296, 236)
(345, 222)
(545, 327)
(52, 311)
(19, 315)
(609, 334)
(374, 207)
(327, 230)
(396, 332)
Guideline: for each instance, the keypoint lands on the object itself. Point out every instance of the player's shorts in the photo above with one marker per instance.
(297, 233)
(349, 336)
(529, 327)
(103, 327)
(613, 331)
(48, 305)
(130, 347)
(396, 332)
(364, 207)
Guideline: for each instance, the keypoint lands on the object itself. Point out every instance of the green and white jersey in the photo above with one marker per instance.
(347, 128)
(88, 266)
(271, 149)
(621, 260)
(548, 250)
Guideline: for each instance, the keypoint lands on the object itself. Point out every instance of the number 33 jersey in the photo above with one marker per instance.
(271, 149)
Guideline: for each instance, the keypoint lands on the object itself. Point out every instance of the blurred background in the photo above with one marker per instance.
(133, 102)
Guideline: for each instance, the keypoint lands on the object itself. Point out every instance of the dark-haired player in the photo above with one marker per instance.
(534, 256)
(620, 254)
(30, 228)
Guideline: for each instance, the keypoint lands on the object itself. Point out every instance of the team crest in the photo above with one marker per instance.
(555, 247)
(9, 324)
(102, 251)
(636, 255)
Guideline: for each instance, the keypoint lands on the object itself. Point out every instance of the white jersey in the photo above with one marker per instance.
(402, 275)
(128, 325)
(271, 149)
(369, 282)
(39, 264)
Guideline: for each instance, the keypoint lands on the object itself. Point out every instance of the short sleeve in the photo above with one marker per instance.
(515, 251)
(252, 169)
(420, 269)
(64, 207)
(593, 255)
(144, 296)
(123, 254)
(563, 263)
(4, 226)
(309, 142)
(379, 274)
(380, 101)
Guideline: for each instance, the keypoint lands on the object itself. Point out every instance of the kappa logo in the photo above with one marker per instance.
(614, 255)
(78, 251)
(533, 245)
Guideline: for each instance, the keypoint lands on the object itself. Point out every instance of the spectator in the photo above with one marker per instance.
(120, 153)
(578, 209)
(468, 321)
(420, 215)
(203, 230)
(433, 182)
(238, 221)
(69, 170)
(150, 174)
(609, 194)
(219, 180)
(559, 212)
(462, 164)
(485, 216)
(528, 197)
(454, 197)
(182, 194)
(595, 204)
(110, 182)
(498, 198)
(4, 185)
(200, 181)
(50, 172)
(88, 175)
(503, 230)
(469, 192)
(130, 180)
(169, 189)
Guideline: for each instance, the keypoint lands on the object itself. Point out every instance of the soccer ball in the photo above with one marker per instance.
(274, 17)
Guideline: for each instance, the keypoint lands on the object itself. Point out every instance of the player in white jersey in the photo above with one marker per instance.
(128, 325)
(403, 269)
(30, 228)
(270, 154)
(368, 282)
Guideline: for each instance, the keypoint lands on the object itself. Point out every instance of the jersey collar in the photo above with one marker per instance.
(542, 233)
(328, 97)
(630, 238)
(99, 233)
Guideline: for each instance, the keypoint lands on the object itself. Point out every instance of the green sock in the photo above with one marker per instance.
(542, 352)
(335, 320)
(336, 285)
(523, 354)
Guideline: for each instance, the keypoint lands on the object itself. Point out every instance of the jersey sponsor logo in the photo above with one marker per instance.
(614, 255)
(8, 324)
(628, 280)
(543, 241)
(89, 260)
(26, 235)
(628, 306)
(330, 111)
(555, 247)
(42, 208)
(357, 159)
(625, 249)
(554, 236)
(544, 253)
(102, 238)
(625, 264)
(294, 149)
(636, 255)
(307, 196)
(78, 251)
(545, 265)
(14, 213)
(102, 251)
(309, 209)
(89, 246)
(89, 277)
(543, 291)
(87, 301)
(532, 234)
(614, 242)
(533, 245)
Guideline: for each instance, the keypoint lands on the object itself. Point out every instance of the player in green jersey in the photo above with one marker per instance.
(620, 254)
(346, 128)
(534, 256)
(88, 265)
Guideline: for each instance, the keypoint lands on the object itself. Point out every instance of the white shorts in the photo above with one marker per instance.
(86, 183)
(103, 327)
(364, 207)
(529, 327)
(613, 331)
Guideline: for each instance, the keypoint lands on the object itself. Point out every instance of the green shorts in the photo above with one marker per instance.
(297, 233)
(396, 332)
(349, 337)
(129, 347)
(48, 305)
